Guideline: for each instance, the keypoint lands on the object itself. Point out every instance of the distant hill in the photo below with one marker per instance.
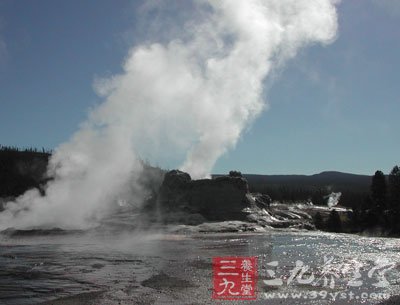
(336, 179)
(316, 187)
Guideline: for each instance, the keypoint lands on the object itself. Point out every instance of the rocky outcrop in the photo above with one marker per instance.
(227, 200)
(223, 198)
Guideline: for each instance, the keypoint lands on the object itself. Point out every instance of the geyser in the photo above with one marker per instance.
(192, 95)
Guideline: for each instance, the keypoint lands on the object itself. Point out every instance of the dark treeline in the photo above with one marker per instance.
(21, 169)
(381, 209)
(14, 149)
(315, 188)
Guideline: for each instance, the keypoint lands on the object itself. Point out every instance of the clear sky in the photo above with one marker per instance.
(331, 108)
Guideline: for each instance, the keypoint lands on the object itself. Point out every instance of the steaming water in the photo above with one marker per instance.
(201, 86)
(333, 199)
(166, 268)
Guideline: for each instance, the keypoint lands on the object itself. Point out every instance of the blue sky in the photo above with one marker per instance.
(332, 108)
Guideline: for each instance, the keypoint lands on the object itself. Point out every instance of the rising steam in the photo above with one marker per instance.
(191, 96)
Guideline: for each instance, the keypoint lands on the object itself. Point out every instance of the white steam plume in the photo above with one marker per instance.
(333, 199)
(193, 95)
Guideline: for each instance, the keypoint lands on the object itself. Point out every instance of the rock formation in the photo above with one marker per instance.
(219, 199)
(226, 199)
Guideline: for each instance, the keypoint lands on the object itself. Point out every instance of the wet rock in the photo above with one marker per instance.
(262, 200)
(234, 226)
(278, 215)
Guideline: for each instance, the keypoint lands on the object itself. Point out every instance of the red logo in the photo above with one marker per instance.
(235, 278)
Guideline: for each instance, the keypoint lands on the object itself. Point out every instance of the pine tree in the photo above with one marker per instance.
(394, 200)
(235, 174)
(394, 188)
(378, 190)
